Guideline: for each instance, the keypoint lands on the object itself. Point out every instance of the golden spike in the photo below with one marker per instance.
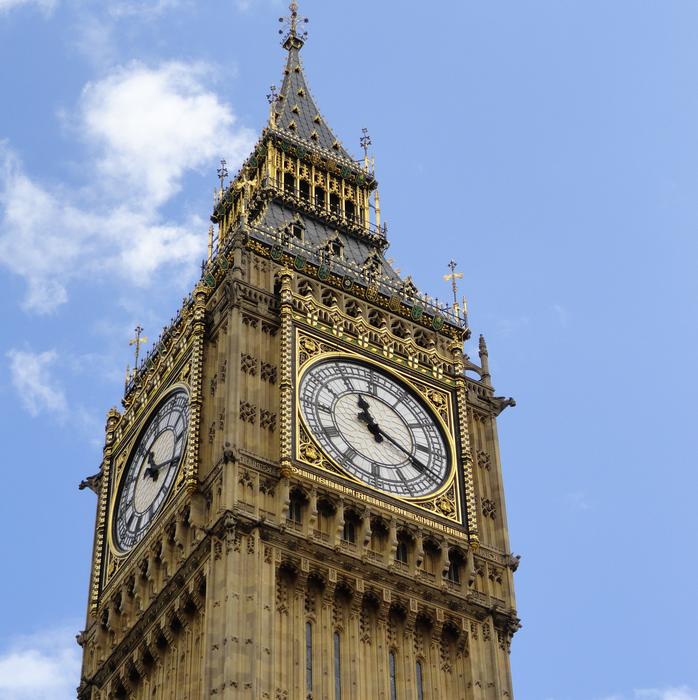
(137, 341)
(453, 278)
(210, 242)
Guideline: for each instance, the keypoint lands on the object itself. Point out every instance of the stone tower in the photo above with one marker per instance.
(302, 496)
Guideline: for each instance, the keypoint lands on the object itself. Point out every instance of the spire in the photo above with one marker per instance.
(484, 361)
(294, 111)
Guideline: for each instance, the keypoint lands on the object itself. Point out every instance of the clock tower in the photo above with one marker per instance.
(302, 495)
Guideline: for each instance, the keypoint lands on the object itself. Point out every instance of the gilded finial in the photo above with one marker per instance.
(210, 242)
(137, 341)
(365, 142)
(222, 173)
(293, 39)
(453, 278)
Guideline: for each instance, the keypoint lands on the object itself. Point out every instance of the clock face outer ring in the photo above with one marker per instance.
(116, 501)
(400, 379)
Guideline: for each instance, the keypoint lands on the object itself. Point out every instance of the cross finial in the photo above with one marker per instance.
(273, 95)
(294, 39)
(365, 142)
(453, 278)
(222, 173)
(137, 341)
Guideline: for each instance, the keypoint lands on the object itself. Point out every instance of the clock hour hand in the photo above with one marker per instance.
(367, 418)
(152, 469)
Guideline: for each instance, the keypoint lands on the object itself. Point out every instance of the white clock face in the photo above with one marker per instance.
(151, 470)
(374, 427)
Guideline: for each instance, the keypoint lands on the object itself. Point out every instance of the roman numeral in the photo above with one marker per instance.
(331, 432)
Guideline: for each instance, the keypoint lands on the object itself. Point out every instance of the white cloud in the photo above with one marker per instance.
(45, 666)
(46, 6)
(678, 693)
(124, 8)
(31, 377)
(672, 693)
(147, 127)
(152, 125)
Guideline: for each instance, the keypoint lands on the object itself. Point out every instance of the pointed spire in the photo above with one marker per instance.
(293, 110)
(484, 361)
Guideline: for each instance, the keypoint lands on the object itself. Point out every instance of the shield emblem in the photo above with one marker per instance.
(416, 312)
(277, 252)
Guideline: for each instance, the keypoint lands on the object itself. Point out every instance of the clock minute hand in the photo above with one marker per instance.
(417, 464)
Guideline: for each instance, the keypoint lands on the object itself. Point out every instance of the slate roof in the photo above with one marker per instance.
(355, 253)
(298, 115)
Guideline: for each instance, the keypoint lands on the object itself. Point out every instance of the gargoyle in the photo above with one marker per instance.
(514, 561)
(499, 403)
(229, 456)
(92, 482)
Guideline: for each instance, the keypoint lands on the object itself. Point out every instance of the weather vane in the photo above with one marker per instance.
(292, 22)
(138, 341)
(222, 173)
(453, 278)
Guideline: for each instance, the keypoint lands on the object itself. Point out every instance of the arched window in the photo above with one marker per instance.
(455, 562)
(304, 190)
(420, 682)
(349, 534)
(334, 202)
(401, 552)
(349, 210)
(320, 197)
(309, 658)
(393, 676)
(289, 183)
(337, 668)
(295, 508)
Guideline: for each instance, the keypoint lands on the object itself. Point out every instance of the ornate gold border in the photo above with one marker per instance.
(125, 454)
(446, 501)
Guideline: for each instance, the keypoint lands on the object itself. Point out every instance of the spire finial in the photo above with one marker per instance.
(484, 361)
(137, 341)
(293, 39)
(453, 278)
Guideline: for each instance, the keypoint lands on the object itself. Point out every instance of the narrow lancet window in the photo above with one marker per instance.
(337, 668)
(420, 682)
(309, 658)
(393, 676)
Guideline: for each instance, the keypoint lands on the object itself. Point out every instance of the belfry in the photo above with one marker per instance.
(302, 496)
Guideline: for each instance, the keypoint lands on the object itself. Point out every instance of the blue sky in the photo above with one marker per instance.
(549, 146)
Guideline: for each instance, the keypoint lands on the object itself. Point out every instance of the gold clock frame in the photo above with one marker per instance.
(445, 502)
(123, 459)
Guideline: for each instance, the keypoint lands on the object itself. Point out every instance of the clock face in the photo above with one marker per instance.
(151, 470)
(374, 427)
